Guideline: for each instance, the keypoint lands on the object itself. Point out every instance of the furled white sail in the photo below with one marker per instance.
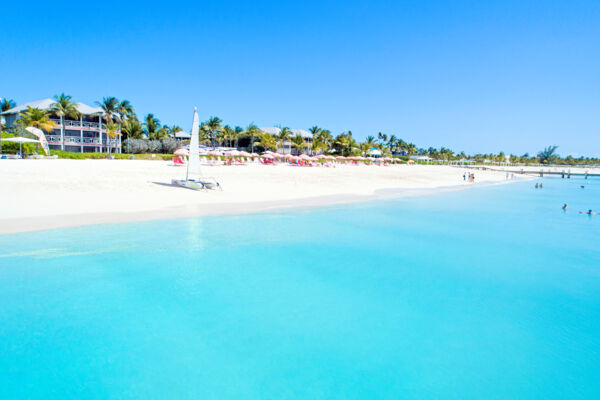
(194, 160)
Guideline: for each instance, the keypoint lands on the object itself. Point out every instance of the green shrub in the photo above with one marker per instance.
(99, 156)
(13, 148)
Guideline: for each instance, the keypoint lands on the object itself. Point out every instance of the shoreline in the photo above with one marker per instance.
(51, 222)
(51, 194)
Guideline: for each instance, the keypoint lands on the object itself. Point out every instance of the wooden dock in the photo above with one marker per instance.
(541, 173)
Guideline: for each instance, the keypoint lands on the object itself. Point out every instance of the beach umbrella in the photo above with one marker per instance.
(304, 157)
(182, 152)
(20, 140)
(213, 153)
(267, 156)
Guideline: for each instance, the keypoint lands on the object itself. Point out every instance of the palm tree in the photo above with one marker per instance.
(228, 134)
(315, 130)
(125, 110)
(213, 126)
(7, 104)
(64, 107)
(345, 144)
(284, 135)
(267, 141)
(364, 148)
(392, 142)
(323, 141)
(548, 155)
(238, 131)
(151, 126)
(112, 131)
(298, 142)
(382, 137)
(37, 118)
(172, 130)
(132, 129)
(110, 107)
(253, 131)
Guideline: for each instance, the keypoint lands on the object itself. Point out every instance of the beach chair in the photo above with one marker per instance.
(177, 161)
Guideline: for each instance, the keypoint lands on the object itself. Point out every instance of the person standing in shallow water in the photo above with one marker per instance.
(565, 207)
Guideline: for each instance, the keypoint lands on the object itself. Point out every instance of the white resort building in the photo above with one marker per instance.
(287, 147)
(83, 135)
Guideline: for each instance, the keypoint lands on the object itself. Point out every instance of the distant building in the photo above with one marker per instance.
(287, 145)
(374, 152)
(84, 135)
(421, 158)
(181, 135)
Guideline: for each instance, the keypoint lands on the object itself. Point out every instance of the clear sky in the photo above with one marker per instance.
(478, 76)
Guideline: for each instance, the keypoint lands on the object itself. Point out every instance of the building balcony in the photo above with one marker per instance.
(94, 126)
(75, 140)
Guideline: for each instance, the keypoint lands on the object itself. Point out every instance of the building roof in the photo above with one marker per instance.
(182, 135)
(47, 103)
(273, 130)
(424, 158)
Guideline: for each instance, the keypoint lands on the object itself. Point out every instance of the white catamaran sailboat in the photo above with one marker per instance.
(193, 165)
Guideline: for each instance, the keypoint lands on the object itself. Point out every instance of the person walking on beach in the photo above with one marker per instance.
(465, 176)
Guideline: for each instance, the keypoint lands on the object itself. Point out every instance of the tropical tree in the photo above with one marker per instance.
(548, 155)
(253, 131)
(314, 130)
(172, 130)
(285, 134)
(298, 142)
(228, 134)
(37, 118)
(64, 107)
(151, 127)
(238, 131)
(112, 131)
(213, 127)
(7, 104)
(345, 144)
(267, 141)
(323, 141)
(110, 107)
(125, 110)
(132, 129)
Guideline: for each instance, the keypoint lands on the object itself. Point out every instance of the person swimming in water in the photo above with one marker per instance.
(590, 212)
(537, 186)
(565, 207)
(541, 185)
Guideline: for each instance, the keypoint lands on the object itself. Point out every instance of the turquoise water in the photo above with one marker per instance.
(488, 293)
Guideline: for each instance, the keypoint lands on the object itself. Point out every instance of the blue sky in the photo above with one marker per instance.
(478, 76)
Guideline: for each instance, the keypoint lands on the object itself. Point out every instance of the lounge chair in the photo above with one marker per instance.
(178, 161)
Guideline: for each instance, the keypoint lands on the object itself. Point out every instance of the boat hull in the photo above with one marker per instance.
(194, 185)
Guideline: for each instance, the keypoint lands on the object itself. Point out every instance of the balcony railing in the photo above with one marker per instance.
(55, 139)
(79, 124)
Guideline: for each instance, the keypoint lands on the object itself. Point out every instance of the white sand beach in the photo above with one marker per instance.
(44, 194)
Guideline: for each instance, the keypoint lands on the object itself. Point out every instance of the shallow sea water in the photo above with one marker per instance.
(487, 293)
